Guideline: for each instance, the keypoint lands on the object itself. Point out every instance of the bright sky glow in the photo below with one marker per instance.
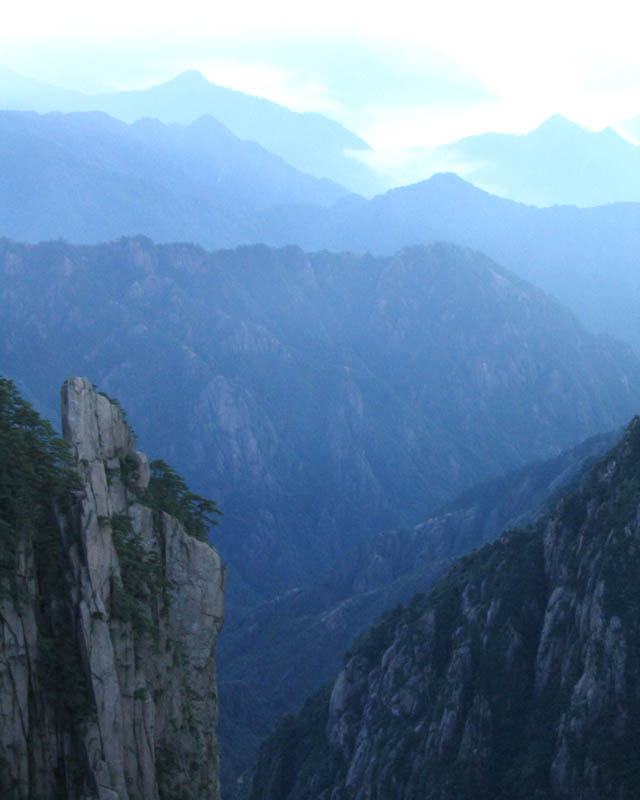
(406, 74)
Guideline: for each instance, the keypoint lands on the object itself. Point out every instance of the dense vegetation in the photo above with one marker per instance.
(35, 480)
(34, 471)
(167, 491)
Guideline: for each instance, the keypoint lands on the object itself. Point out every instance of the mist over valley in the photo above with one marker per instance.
(414, 402)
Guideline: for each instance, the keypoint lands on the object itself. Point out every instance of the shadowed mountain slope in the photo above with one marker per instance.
(515, 677)
(283, 651)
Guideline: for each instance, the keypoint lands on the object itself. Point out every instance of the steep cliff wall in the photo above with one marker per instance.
(517, 677)
(107, 684)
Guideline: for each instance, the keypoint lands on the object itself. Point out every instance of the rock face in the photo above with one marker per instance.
(145, 605)
(517, 677)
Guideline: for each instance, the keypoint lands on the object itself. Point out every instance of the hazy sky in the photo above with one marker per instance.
(399, 73)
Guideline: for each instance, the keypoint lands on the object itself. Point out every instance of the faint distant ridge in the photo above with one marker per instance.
(557, 163)
(585, 257)
(308, 141)
(86, 176)
(20, 93)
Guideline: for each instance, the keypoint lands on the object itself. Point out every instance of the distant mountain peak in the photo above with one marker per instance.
(557, 123)
(561, 162)
(190, 78)
(441, 182)
(446, 179)
(559, 126)
(310, 142)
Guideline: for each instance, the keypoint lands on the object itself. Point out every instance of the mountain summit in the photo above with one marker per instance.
(190, 79)
(559, 162)
(310, 142)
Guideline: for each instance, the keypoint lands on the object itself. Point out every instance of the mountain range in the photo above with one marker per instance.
(587, 258)
(557, 163)
(310, 142)
(88, 177)
(632, 128)
(273, 378)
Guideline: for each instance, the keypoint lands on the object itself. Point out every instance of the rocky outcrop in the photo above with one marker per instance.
(145, 603)
(517, 677)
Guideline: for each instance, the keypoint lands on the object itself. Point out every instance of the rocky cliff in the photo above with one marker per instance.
(518, 676)
(108, 625)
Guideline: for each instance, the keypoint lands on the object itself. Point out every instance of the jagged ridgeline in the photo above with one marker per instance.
(518, 676)
(109, 612)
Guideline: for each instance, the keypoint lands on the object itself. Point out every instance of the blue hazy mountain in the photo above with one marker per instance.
(586, 257)
(87, 176)
(557, 163)
(317, 397)
(308, 141)
(28, 94)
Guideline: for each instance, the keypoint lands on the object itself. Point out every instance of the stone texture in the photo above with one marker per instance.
(151, 728)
